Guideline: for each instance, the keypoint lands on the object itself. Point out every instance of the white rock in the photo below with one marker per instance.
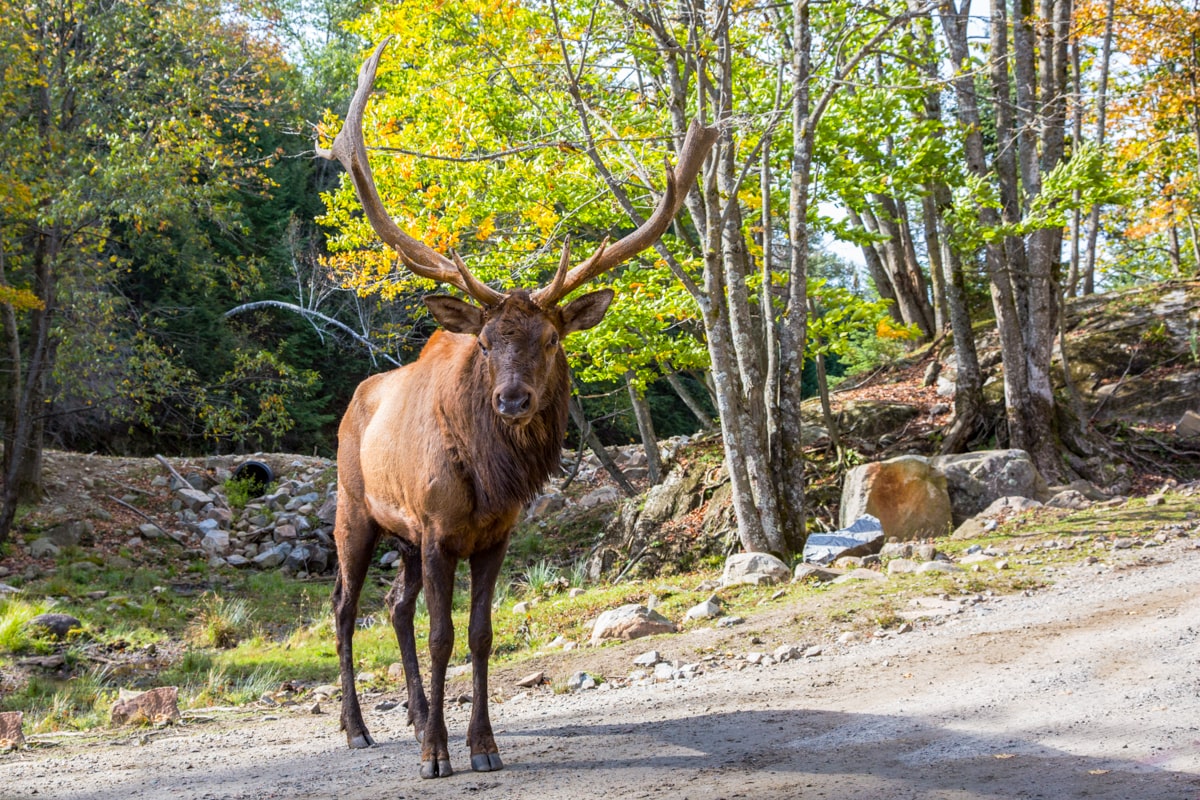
(756, 568)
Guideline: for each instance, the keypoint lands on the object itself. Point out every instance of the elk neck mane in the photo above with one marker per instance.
(505, 466)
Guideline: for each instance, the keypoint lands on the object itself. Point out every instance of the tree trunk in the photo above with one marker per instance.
(641, 413)
(597, 447)
(698, 410)
(1089, 270)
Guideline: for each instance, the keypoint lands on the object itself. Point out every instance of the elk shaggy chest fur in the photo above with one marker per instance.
(443, 454)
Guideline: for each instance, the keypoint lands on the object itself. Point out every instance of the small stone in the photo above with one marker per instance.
(386, 705)
(729, 622)
(848, 637)
(786, 652)
(647, 659)
(575, 591)
(57, 626)
(389, 558)
(813, 651)
(629, 622)
(521, 607)
(861, 575)
(12, 737)
(806, 572)
(755, 658)
(531, 680)
(43, 548)
(664, 671)
(901, 566)
(706, 610)
(939, 566)
(580, 681)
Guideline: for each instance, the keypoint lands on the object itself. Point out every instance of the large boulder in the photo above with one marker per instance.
(976, 480)
(906, 494)
(12, 736)
(631, 621)
(155, 707)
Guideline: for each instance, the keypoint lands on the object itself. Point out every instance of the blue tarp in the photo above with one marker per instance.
(822, 548)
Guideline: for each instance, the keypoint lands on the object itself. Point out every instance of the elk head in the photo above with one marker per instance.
(519, 333)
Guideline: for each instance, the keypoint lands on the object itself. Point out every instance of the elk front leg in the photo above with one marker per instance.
(438, 569)
(485, 567)
(402, 603)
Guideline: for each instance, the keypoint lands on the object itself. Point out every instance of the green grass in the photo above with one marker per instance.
(15, 613)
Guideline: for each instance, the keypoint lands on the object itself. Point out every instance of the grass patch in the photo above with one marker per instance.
(15, 614)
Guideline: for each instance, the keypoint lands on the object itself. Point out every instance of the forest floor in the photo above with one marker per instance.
(1084, 684)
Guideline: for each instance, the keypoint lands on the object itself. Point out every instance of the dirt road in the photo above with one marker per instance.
(1087, 689)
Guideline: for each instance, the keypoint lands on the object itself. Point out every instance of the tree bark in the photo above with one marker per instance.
(641, 413)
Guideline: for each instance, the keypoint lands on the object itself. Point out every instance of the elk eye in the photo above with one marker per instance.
(483, 348)
(553, 340)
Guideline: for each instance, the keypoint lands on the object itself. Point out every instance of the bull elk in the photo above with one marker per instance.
(445, 452)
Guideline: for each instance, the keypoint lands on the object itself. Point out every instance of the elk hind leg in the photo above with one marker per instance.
(402, 605)
(354, 556)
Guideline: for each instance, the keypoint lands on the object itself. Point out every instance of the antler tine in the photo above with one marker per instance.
(696, 144)
(554, 290)
(350, 150)
(485, 294)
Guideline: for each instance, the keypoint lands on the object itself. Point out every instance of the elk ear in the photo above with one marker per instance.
(455, 315)
(586, 312)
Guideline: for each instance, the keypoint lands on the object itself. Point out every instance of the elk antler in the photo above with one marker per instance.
(350, 151)
(696, 145)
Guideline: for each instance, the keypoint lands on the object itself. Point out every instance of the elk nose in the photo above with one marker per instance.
(513, 401)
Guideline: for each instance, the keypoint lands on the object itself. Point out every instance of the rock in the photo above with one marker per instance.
(870, 419)
(706, 610)
(545, 504)
(896, 550)
(193, 499)
(601, 496)
(576, 591)
(729, 622)
(522, 607)
(235, 560)
(664, 671)
(269, 559)
(309, 558)
(284, 533)
(787, 652)
(580, 681)
(647, 659)
(861, 575)
(71, 534)
(12, 736)
(1188, 425)
(806, 572)
(215, 542)
(43, 548)
(1069, 499)
(58, 626)
(327, 513)
(148, 530)
(906, 494)
(156, 707)
(1010, 504)
(902, 566)
(939, 566)
(389, 558)
(531, 680)
(631, 621)
(813, 651)
(976, 480)
(755, 568)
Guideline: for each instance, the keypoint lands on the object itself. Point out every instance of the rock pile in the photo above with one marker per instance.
(290, 527)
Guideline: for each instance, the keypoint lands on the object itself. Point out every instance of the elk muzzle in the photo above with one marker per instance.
(514, 403)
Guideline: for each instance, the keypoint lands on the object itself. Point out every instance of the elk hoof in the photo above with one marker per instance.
(436, 769)
(359, 742)
(486, 762)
